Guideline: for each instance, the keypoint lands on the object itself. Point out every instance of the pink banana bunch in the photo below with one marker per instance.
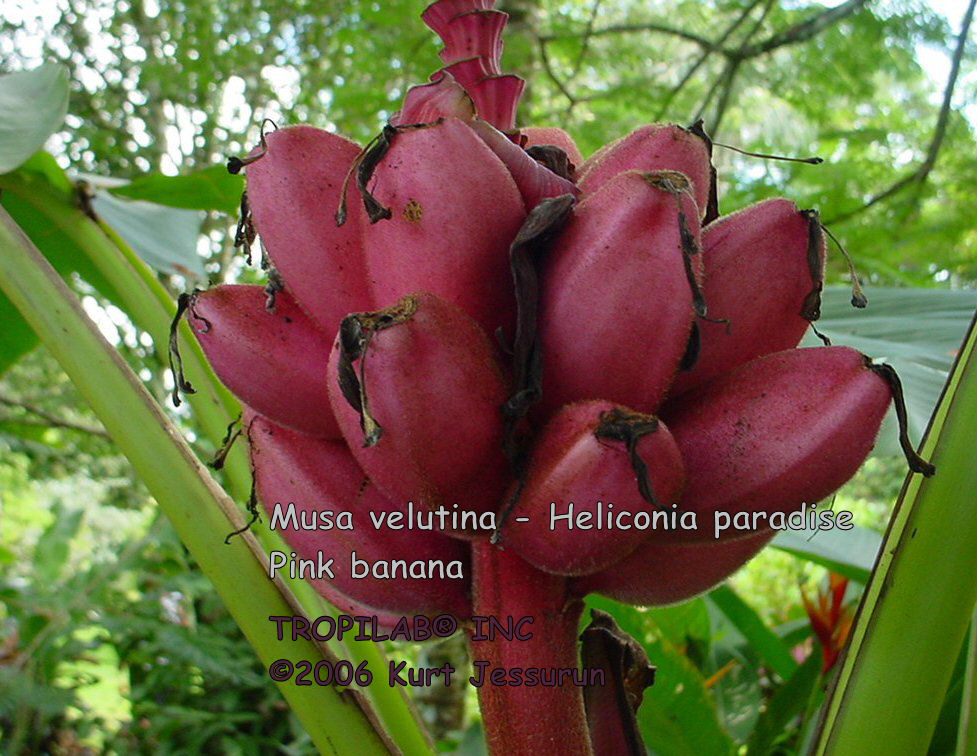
(469, 320)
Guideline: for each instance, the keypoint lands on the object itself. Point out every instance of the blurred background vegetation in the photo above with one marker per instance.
(110, 640)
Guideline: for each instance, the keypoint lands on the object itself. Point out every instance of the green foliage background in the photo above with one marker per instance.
(109, 638)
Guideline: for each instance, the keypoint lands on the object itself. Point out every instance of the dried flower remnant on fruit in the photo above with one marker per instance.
(355, 333)
(630, 427)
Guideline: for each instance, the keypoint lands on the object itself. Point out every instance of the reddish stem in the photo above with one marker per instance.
(524, 719)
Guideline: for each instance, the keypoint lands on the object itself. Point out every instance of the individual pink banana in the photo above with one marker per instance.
(770, 247)
(416, 389)
(666, 573)
(657, 147)
(540, 135)
(256, 353)
(454, 208)
(786, 428)
(318, 476)
(619, 292)
(294, 189)
(606, 461)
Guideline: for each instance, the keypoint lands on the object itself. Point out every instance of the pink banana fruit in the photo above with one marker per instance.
(293, 191)
(318, 476)
(771, 246)
(784, 429)
(454, 207)
(658, 147)
(416, 389)
(625, 268)
(667, 573)
(540, 135)
(257, 353)
(605, 460)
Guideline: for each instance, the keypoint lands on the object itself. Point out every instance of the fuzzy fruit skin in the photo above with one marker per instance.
(435, 387)
(668, 573)
(521, 719)
(656, 147)
(257, 354)
(615, 281)
(319, 475)
(757, 277)
(294, 192)
(786, 428)
(455, 209)
(571, 463)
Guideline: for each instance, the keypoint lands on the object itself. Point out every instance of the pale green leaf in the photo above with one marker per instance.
(33, 105)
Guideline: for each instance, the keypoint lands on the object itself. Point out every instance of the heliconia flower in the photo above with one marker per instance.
(466, 314)
(830, 620)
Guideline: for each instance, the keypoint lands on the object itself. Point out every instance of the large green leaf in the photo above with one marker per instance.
(16, 337)
(33, 104)
(212, 188)
(683, 623)
(677, 716)
(789, 700)
(771, 649)
(40, 177)
(916, 609)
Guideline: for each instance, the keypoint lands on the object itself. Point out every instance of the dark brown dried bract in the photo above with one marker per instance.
(245, 233)
(611, 708)
(811, 309)
(554, 158)
(355, 332)
(232, 435)
(180, 383)
(712, 204)
(540, 225)
(275, 284)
